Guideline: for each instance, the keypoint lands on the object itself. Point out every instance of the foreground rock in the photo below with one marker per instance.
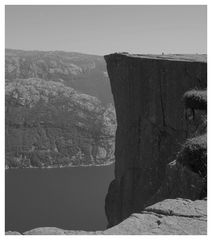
(51, 125)
(148, 93)
(171, 216)
(56, 231)
(12, 233)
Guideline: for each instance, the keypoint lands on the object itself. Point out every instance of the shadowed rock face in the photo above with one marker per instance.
(51, 125)
(148, 93)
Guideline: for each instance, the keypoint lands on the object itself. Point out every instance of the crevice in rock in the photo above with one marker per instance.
(170, 213)
(161, 80)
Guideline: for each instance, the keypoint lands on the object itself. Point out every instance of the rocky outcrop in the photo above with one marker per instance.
(51, 125)
(195, 102)
(148, 93)
(12, 233)
(171, 216)
(187, 175)
(57, 231)
(160, 184)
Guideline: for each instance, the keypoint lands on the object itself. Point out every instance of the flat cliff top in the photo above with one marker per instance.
(170, 57)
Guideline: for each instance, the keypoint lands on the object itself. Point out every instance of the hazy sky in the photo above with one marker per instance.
(106, 29)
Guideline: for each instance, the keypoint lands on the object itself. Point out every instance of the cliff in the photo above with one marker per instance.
(49, 124)
(152, 123)
(160, 184)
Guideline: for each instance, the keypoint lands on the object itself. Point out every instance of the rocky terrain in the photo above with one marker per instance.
(51, 125)
(160, 184)
(59, 110)
(83, 72)
(153, 121)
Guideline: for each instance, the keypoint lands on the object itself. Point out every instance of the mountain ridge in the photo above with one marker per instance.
(40, 86)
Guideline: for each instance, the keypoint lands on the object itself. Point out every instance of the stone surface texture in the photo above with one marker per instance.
(153, 193)
(151, 126)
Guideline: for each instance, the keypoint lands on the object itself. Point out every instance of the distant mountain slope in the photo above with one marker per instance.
(49, 124)
(83, 72)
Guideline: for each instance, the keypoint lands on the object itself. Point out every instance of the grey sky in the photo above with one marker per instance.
(107, 29)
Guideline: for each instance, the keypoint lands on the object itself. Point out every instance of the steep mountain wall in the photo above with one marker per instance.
(148, 91)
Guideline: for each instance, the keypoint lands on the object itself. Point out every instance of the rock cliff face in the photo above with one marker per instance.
(160, 184)
(148, 93)
(51, 125)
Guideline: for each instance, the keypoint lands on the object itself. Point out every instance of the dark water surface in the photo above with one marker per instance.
(68, 198)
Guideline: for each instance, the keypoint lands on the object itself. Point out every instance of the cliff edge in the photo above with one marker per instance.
(160, 184)
(152, 125)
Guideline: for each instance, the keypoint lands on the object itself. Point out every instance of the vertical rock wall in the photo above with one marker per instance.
(148, 92)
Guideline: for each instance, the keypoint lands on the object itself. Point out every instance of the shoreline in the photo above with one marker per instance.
(53, 167)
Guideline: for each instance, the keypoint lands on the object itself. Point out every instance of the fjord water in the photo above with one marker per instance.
(68, 198)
